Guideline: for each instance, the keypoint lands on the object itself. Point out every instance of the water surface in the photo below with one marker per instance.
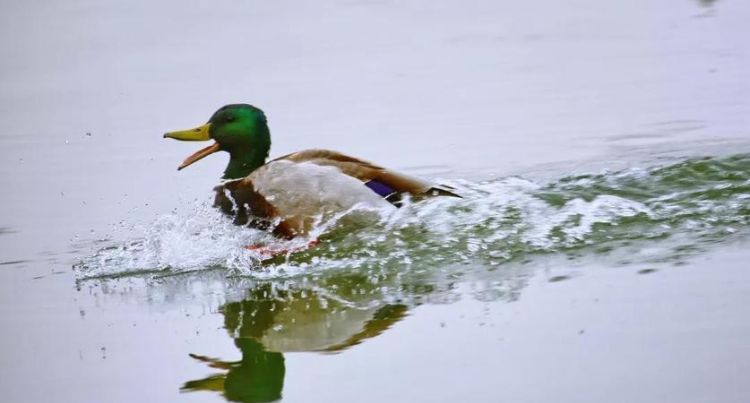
(598, 254)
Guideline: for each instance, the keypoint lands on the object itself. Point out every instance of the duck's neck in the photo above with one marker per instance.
(244, 161)
(242, 164)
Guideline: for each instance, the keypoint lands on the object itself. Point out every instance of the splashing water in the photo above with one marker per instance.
(661, 213)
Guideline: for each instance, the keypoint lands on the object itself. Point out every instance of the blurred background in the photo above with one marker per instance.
(470, 92)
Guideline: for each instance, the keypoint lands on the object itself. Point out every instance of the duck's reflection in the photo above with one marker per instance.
(257, 377)
(270, 322)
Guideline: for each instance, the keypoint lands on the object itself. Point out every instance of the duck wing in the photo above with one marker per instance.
(387, 183)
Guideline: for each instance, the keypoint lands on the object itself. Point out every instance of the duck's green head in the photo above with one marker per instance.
(239, 129)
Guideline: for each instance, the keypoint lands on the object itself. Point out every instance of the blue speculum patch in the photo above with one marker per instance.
(380, 188)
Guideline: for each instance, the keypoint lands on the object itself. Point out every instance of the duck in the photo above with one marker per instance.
(287, 194)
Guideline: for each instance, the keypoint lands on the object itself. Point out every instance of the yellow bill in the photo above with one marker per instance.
(200, 133)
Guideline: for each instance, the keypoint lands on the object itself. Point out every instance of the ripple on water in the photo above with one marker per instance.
(640, 214)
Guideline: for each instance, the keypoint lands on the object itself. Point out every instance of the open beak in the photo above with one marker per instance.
(198, 134)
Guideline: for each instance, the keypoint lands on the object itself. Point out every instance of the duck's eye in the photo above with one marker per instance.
(230, 118)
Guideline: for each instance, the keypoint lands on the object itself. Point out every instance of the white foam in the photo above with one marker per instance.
(495, 221)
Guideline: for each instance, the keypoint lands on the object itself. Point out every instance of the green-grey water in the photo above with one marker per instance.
(599, 251)
(374, 266)
(674, 207)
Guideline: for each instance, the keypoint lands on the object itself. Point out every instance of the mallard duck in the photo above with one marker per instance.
(287, 193)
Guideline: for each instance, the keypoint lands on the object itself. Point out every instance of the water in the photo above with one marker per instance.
(598, 254)
(674, 208)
